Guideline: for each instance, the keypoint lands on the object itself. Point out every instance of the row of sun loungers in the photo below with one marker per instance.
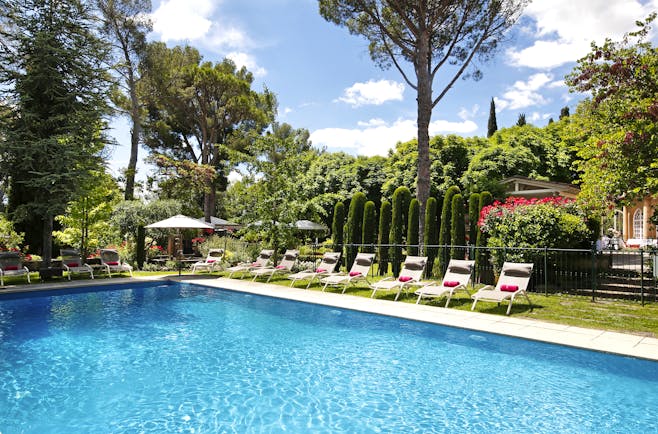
(513, 281)
(72, 263)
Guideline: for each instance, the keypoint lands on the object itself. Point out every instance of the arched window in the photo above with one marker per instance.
(638, 218)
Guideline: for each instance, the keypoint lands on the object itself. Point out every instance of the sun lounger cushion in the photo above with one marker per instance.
(355, 273)
(459, 269)
(450, 284)
(280, 267)
(405, 278)
(414, 266)
(509, 288)
(11, 267)
(320, 270)
(518, 271)
(112, 263)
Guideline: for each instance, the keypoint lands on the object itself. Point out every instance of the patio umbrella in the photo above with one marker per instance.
(307, 225)
(179, 222)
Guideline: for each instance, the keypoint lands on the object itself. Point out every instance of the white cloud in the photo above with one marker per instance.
(376, 137)
(372, 93)
(465, 114)
(248, 61)
(525, 93)
(178, 20)
(565, 28)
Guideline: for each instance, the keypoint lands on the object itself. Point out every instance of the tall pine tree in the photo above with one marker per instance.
(55, 93)
(492, 125)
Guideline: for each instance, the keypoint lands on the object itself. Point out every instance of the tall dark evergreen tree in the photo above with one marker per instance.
(400, 209)
(337, 227)
(521, 120)
(564, 112)
(444, 231)
(369, 229)
(412, 227)
(431, 234)
(384, 232)
(457, 227)
(354, 226)
(55, 90)
(492, 125)
(473, 217)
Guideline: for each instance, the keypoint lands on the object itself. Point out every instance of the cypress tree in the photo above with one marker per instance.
(412, 227)
(354, 226)
(492, 125)
(369, 227)
(431, 234)
(481, 241)
(564, 112)
(473, 217)
(521, 121)
(384, 232)
(457, 227)
(444, 232)
(400, 209)
(337, 228)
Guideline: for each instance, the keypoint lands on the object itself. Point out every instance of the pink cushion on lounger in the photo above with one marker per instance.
(320, 270)
(112, 263)
(11, 267)
(72, 264)
(210, 261)
(450, 283)
(255, 264)
(355, 273)
(280, 267)
(405, 278)
(509, 288)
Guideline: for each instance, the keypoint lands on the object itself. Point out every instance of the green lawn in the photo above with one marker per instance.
(614, 315)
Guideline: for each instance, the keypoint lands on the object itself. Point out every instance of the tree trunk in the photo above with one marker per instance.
(424, 100)
(135, 133)
(209, 198)
(47, 249)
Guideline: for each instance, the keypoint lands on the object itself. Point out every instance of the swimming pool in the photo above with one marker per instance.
(185, 358)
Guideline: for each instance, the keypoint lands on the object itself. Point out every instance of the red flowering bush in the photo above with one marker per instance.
(553, 222)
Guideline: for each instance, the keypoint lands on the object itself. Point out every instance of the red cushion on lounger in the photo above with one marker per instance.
(210, 261)
(405, 278)
(355, 273)
(509, 288)
(11, 267)
(111, 263)
(450, 283)
(72, 264)
(280, 267)
(320, 270)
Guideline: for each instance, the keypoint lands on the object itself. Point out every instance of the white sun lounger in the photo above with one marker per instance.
(457, 277)
(513, 281)
(326, 267)
(411, 273)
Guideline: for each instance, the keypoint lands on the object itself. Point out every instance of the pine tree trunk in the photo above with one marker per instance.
(424, 99)
(135, 133)
(47, 249)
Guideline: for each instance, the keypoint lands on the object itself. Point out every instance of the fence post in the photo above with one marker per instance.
(594, 273)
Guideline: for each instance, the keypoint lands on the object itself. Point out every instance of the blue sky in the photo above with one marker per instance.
(326, 82)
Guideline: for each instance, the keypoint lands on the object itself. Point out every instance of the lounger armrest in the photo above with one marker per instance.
(486, 288)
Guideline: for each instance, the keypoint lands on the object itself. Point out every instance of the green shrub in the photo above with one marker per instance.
(444, 231)
(457, 227)
(369, 227)
(481, 256)
(412, 227)
(473, 217)
(431, 234)
(354, 226)
(337, 227)
(400, 208)
(384, 232)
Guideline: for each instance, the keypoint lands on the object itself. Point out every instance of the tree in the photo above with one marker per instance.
(457, 227)
(446, 221)
(492, 125)
(521, 120)
(432, 36)
(273, 199)
(616, 130)
(564, 112)
(412, 227)
(126, 25)
(86, 221)
(369, 229)
(384, 232)
(337, 228)
(354, 226)
(481, 241)
(201, 113)
(55, 92)
(400, 208)
(473, 216)
(431, 234)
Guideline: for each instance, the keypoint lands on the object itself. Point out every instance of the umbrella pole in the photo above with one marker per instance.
(179, 252)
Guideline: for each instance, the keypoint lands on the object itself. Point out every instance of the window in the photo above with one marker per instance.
(638, 218)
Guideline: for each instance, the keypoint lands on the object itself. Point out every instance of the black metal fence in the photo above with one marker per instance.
(627, 274)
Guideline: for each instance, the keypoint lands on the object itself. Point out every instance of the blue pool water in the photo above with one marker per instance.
(183, 358)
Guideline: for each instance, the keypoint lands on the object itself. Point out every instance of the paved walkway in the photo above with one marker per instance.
(592, 339)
